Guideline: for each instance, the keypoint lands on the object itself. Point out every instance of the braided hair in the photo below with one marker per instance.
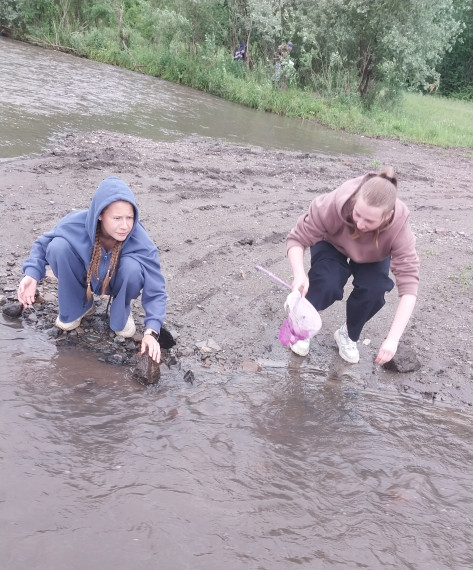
(93, 270)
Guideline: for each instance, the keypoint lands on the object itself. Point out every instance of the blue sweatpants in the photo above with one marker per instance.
(328, 276)
(69, 268)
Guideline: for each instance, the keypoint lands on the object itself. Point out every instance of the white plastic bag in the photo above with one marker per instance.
(303, 321)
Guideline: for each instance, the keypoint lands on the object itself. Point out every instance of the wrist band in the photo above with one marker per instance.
(153, 333)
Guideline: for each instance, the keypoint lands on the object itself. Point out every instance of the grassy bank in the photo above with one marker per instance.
(426, 119)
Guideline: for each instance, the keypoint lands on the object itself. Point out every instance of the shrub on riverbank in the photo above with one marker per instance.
(164, 44)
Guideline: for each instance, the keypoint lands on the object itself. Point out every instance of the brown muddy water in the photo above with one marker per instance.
(281, 469)
(275, 470)
(44, 94)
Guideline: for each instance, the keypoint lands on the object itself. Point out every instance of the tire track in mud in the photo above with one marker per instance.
(217, 210)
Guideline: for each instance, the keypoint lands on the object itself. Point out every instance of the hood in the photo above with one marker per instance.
(110, 190)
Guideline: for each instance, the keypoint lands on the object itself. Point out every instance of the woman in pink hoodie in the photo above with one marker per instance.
(360, 230)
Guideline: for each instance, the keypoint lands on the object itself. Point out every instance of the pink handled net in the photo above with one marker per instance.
(303, 321)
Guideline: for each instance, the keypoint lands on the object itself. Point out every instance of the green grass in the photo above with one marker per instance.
(429, 119)
(417, 118)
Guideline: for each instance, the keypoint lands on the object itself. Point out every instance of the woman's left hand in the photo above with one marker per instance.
(387, 351)
(150, 344)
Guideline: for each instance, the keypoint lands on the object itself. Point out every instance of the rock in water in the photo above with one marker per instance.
(189, 377)
(146, 371)
(12, 310)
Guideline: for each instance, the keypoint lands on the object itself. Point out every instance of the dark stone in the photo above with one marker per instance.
(172, 360)
(91, 338)
(99, 325)
(115, 359)
(246, 241)
(189, 377)
(146, 371)
(133, 360)
(13, 310)
(53, 332)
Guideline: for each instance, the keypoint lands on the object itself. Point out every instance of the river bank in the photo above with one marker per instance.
(217, 210)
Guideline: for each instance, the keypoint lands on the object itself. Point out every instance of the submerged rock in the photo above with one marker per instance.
(13, 310)
(146, 371)
(115, 359)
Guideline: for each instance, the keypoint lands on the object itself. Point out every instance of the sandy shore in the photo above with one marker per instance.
(216, 211)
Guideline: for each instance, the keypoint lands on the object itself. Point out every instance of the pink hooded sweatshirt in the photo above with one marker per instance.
(325, 221)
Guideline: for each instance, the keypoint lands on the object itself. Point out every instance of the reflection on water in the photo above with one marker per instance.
(44, 93)
(264, 471)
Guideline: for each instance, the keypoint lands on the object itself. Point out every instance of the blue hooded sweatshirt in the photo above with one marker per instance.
(79, 229)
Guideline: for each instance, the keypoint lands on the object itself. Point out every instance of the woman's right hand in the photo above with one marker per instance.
(301, 284)
(27, 290)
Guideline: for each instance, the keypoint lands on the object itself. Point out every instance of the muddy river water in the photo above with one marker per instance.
(276, 470)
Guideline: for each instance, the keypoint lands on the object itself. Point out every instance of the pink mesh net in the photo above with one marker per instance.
(303, 321)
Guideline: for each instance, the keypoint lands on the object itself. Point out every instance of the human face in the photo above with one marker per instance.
(368, 218)
(117, 220)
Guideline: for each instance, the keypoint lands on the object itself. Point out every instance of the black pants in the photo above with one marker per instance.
(329, 274)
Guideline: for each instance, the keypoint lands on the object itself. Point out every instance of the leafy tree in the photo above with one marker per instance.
(394, 43)
(12, 16)
(262, 24)
(456, 68)
(17, 15)
(371, 49)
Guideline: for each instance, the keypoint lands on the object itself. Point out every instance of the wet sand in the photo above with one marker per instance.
(216, 211)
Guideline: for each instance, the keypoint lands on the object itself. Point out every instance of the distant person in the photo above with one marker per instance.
(103, 250)
(240, 52)
(360, 230)
(281, 62)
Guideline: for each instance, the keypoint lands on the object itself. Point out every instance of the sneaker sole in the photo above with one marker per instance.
(300, 352)
(336, 336)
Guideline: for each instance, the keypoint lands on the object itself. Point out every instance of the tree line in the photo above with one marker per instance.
(369, 49)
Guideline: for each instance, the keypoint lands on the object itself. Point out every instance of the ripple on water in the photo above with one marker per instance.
(237, 470)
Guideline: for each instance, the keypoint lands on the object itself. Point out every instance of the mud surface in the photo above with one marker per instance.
(216, 211)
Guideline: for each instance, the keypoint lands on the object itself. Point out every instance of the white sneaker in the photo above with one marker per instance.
(301, 347)
(129, 329)
(74, 324)
(346, 347)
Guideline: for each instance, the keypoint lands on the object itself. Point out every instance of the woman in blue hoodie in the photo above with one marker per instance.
(103, 250)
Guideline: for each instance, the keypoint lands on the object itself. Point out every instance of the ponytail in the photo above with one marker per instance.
(389, 175)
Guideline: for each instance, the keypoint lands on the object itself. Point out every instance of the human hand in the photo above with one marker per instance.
(301, 284)
(387, 351)
(27, 290)
(150, 344)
